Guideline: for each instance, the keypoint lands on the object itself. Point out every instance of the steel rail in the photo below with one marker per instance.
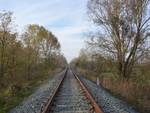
(96, 108)
(51, 98)
(88, 95)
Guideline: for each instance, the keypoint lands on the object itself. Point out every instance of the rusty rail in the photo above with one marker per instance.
(49, 103)
(97, 109)
(88, 95)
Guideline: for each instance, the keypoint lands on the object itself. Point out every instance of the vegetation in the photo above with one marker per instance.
(135, 90)
(126, 31)
(118, 53)
(25, 60)
(118, 50)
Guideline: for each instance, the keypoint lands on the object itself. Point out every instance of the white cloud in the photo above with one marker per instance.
(65, 18)
(71, 39)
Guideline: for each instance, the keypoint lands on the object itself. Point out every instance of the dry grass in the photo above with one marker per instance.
(130, 91)
(14, 93)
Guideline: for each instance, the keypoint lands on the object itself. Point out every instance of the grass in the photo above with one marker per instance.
(9, 99)
(135, 91)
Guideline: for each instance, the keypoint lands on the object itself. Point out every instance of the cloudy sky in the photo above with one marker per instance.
(67, 19)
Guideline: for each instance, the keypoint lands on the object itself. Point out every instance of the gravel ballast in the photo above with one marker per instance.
(105, 100)
(70, 97)
(35, 102)
(108, 103)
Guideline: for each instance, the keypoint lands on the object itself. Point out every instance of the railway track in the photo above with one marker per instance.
(71, 96)
(65, 93)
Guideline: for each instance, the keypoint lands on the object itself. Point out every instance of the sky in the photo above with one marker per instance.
(67, 19)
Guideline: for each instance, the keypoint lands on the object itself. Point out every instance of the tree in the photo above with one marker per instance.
(5, 24)
(42, 42)
(24, 61)
(125, 26)
(31, 49)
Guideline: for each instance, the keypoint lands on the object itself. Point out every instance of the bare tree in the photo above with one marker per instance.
(125, 26)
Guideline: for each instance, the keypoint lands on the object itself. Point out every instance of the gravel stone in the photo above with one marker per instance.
(70, 97)
(35, 102)
(105, 100)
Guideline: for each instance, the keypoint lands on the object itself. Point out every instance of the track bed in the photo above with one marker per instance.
(70, 97)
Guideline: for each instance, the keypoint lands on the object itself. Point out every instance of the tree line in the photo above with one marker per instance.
(26, 56)
(118, 49)
(123, 34)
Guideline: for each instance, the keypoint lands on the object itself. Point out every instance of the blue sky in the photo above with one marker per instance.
(67, 19)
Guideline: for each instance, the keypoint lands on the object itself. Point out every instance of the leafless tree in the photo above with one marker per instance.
(125, 30)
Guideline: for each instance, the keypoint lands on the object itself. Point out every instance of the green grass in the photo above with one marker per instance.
(8, 102)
